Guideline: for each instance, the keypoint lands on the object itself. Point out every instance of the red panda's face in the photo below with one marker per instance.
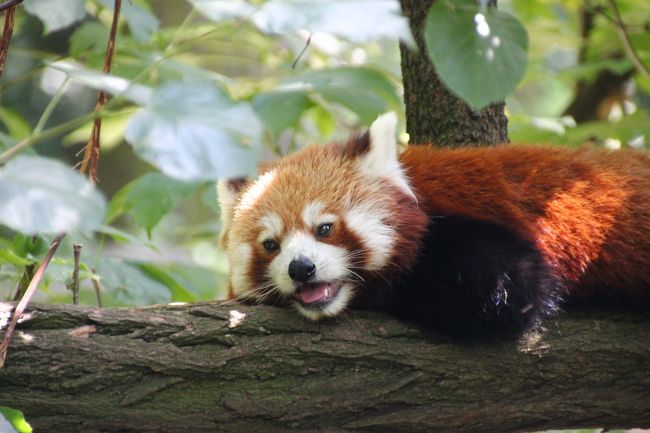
(317, 224)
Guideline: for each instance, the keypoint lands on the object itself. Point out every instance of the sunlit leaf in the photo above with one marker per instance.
(479, 54)
(17, 126)
(41, 195)
(112, 131)
(12, 420)
(220, 10)
(56, 14)
(193, 131)
(356, 20)
(148, 198)
(137, 93)
(8, 256)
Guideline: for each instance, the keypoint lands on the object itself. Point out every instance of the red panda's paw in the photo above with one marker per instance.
(476, 279)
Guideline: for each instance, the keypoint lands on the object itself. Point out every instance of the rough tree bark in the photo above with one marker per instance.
(433, 113)
(195, 368)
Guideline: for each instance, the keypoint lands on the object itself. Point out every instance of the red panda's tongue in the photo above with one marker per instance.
(317, 292)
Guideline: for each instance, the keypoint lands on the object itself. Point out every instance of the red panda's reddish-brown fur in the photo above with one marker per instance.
(587, 210)
(470, 241)
(337, 167)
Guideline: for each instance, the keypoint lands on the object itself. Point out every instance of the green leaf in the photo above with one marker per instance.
(17, 126)
(22, 250)
(356, 20)
(27, 245)
(193, 131)
(123, 237)
(281, 108)
(479, 54)
(129, 285)
(366, 91)
(204, 283)
(625, 130)
(137, 93)
(112, 131)
(141, 22)
(9, 257)
(148, 198)
(541, 94)
(56, 14)
(220, 10)
(179, 293)
(89, 38)
(15, 421)
(41, 195)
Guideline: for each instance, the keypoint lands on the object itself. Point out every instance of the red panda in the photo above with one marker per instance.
(467, 241)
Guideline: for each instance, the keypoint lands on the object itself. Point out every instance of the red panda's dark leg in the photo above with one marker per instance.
(476, 279)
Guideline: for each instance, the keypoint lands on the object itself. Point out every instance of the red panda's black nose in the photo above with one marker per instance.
(301, 269)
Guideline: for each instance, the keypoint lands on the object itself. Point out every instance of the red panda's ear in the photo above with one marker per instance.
(380, 155)
(228, 192)
(381, 158)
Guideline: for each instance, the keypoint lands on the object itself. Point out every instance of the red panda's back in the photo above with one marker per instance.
(587, 210)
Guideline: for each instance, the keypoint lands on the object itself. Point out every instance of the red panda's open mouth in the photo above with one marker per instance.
(317, 294)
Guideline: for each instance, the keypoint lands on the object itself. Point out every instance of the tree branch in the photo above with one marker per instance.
(9, 3)
(7, 30)
(202, 368)
(90, 162)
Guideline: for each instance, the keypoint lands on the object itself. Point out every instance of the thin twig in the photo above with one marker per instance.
(20, 308)
(90, 163)
(9, 3)
(7, 31)
(295, 62)
(97, 287)
(76, 250)
(33, 139)
(51, 106)
(627, 44)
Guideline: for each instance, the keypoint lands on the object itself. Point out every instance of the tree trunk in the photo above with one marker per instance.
(195, 368)
(433, 113)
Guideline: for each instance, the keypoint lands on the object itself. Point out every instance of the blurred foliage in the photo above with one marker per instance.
(13, 421)
(207, 88)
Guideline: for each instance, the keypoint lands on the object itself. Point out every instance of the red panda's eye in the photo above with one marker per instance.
(324, 229)
(270, 245)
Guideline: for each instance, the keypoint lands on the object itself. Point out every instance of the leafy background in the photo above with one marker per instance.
(206, 88)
